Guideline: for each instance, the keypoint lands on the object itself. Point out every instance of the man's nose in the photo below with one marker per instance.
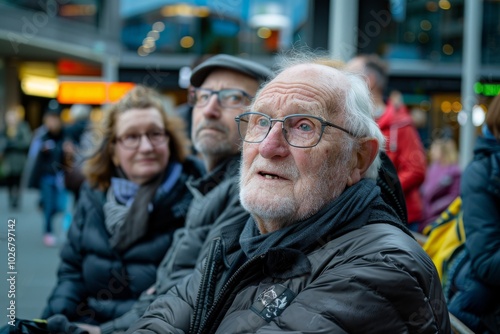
(274, 145)
(212, 109)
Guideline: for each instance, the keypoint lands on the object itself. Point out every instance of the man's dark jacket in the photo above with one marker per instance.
(356, 269)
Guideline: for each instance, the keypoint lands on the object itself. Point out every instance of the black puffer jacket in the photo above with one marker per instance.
(95, 282)
(475, 288)
(47, 156)
(481, 199)
(369, 276)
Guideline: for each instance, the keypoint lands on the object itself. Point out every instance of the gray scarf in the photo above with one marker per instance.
(128, 223)
(358, 205)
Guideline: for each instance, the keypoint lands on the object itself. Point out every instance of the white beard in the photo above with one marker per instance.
(276, 208)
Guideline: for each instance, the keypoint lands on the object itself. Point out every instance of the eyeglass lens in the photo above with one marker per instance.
(300, 131)
(133, 140)
(227, 98)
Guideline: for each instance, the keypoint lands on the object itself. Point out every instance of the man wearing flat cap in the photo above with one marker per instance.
(222, 87)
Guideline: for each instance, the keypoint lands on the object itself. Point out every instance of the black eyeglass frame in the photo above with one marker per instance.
(271, 120)
(194, 103)
(147, 134)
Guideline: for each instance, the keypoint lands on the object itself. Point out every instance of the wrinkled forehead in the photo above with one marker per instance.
(313, 89)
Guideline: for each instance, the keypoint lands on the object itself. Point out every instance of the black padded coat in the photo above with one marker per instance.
(95, 282)
(372, 279)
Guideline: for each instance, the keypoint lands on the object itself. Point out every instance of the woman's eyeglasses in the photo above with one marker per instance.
(133, 140)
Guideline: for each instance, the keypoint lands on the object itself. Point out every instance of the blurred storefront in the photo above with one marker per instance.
(46, 42)
(43, 43)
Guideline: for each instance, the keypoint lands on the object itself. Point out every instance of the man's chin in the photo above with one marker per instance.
(266, 208)
(210, 133)
(210, 146)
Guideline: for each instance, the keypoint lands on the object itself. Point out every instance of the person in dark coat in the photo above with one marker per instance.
(15, 140)
(322, 251)
(74, 146)
(132, 202)
(475, 289)
(46, 174)
(216, 199)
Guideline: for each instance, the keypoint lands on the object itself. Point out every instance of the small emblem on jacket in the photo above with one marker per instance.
(272, 302)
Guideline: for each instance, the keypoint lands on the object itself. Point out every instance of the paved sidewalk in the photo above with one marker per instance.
(35, 264)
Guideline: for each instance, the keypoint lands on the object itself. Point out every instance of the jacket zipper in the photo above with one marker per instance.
(218, 310)
(387, 190)
(206, 290)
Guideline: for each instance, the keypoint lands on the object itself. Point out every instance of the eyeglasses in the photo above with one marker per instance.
(299, 130)
(227, 98)
(133, 140)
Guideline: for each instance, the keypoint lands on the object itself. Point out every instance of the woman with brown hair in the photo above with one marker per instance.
(133, 200)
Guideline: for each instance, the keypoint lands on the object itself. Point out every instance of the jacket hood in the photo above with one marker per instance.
(486, 146)
(394, 117)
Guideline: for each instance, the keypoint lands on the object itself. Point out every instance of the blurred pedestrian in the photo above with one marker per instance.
(15, 140)
(46, 173)
(403, 144)
(442, 181)
(476, 286)
(73, 148)
(80, 120)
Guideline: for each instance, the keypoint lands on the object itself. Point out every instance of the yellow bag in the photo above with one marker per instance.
(445, 237)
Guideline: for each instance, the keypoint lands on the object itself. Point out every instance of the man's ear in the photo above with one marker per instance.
(363, 158)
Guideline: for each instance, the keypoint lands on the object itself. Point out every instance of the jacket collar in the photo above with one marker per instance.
(201, 186)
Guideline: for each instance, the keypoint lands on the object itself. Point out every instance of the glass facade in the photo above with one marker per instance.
(428, 35)
(149, 42)
(83, 11)
(430, 30)
(491, 33)
(199, 27)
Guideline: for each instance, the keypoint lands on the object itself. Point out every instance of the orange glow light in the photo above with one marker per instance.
(71, 92)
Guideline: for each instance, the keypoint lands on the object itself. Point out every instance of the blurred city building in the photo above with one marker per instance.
(47, 47)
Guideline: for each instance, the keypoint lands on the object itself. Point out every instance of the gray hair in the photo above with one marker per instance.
(359, 119)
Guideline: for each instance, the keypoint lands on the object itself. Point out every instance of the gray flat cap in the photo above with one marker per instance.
(223, 61)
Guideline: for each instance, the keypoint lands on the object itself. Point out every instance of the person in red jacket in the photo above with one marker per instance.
(403, 144)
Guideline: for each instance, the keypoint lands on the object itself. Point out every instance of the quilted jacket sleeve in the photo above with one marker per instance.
(171, 312)
(371, 301)
(480, 198)
(368, 294)
(70, 290)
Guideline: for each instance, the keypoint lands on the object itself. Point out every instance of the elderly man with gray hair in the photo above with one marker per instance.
(321, 252)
